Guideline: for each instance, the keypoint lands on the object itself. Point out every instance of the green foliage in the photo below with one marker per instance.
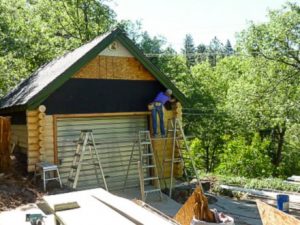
(242, 158)
(254, 183)
(276, 40)
(34, 32)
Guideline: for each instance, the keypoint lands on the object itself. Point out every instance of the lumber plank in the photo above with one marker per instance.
(66, 206)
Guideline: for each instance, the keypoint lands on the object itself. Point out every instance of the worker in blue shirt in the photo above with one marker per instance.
(157, 108)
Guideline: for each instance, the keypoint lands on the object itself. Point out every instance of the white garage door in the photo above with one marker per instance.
(114, 137)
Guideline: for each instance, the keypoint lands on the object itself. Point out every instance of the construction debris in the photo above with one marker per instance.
(196, 211)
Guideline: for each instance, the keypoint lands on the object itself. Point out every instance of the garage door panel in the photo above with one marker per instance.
(114, 137)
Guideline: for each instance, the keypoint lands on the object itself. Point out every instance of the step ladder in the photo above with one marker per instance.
(86, 140)
(180, 152)
(145, 163)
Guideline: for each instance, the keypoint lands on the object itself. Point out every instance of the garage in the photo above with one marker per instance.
(114, 137)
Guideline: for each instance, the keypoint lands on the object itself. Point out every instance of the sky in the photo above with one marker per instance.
(203, 19)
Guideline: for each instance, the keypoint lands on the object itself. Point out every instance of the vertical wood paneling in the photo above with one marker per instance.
(158, 146)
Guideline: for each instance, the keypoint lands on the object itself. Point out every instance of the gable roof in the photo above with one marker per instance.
(35, 89)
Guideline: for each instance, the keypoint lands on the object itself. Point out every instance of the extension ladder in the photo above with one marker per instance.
(86, 140)
(146, 163)
(174, 128)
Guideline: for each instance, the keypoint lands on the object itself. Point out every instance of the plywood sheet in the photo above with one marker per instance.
(114, 67)
(271, 216)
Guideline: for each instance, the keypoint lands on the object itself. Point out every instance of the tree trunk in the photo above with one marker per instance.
(280, 142)
(207, 158)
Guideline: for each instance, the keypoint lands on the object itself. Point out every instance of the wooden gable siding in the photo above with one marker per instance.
(114, 67)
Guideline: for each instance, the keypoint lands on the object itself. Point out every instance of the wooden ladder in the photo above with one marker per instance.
(86, 140)
(146, 162)
(180, 152)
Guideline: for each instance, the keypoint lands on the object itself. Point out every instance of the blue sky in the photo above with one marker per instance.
(203, 19)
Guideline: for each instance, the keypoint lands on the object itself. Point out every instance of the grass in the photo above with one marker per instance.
(274, 184)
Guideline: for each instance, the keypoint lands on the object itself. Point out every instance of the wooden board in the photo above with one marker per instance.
(103, 207)
(272, 216)
(4, 143)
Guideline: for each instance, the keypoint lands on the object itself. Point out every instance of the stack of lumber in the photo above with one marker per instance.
(97, 206)
(294, 179)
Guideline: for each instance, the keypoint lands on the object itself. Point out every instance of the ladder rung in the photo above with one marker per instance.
(144, 131)
(177, 160)
(81, 143)
(148, 154)
(145, 142)
(173, 130)
(150, 178)
(151, 191)
(87, 130)
(149, 166)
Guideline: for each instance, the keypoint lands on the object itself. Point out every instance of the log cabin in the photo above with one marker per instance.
(104, 85)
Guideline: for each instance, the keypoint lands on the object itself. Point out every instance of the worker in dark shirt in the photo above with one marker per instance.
(157, 108)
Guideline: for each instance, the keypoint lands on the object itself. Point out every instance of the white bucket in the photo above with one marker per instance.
(227, 221)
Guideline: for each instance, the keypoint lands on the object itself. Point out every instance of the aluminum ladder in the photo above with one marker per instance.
(145, 163)
(180, 146)
(86, 140)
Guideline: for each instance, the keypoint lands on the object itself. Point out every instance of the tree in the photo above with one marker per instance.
(201, 53)
(228, 48)
(215, 51)
(277, 39)
(34, 32)
(189, 50)
(264, 101)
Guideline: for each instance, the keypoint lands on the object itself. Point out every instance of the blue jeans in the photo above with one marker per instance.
(158, 110)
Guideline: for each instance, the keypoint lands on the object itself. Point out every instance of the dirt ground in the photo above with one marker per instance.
(17, 190)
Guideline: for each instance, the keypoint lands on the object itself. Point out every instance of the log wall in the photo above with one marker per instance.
(33, 151)
(40, 137)
(48, 139)
(114, 67)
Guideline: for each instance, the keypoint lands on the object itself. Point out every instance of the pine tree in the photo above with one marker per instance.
(189, 50)
(201, 53)
(215, 51)
(228, 48)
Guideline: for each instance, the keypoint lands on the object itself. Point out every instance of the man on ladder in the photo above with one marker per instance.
(156, 107)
